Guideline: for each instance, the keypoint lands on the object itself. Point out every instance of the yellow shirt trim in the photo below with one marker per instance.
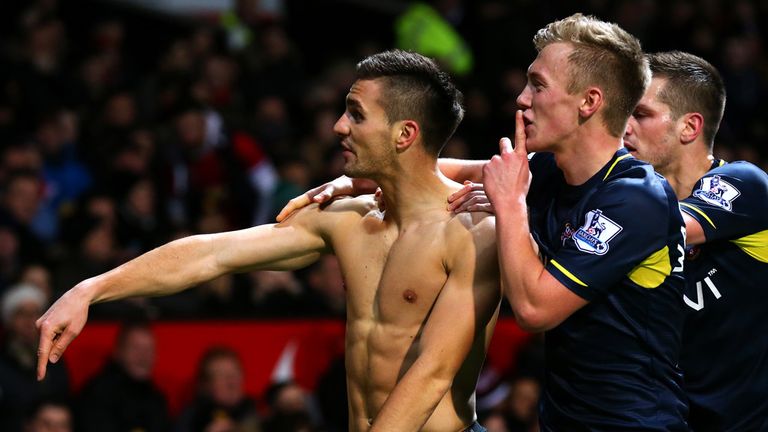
(755, 245)
(653, 270)
(698, 210)
(614, 164)
(567, 273)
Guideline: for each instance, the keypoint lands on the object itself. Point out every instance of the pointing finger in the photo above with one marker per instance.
(43, 350)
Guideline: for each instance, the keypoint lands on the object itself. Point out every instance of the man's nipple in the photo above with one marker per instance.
(410, 296)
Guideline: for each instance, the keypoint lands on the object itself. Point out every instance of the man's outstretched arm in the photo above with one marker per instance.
(461, 314)
(176, 266)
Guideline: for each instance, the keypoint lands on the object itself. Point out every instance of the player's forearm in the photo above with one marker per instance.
(413, 400)
(165, 270)
(461, 169)
(521, 268)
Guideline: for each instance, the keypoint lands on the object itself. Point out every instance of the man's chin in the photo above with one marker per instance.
(532, 146)
(354, 173)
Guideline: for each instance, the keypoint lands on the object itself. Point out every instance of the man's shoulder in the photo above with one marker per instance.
(743, 171)
(338, 208)
(477, 226)
(636, 195)
(635, 182)
(739, 187)
(360, 205)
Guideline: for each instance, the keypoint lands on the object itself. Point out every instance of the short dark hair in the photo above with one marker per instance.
(693, 85)
(415, 88)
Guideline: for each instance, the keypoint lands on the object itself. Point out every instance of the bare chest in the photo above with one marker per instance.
(394, 277)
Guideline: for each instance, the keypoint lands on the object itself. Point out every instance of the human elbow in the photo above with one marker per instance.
(532, 319)
(438, 375)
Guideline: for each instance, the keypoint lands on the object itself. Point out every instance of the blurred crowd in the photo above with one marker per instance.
(121, 130)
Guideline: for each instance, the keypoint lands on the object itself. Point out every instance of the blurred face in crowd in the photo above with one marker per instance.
(98, 246)
(290, 399)
(524, 398)
(137, 353)
(190, 127)
(102, 207)
(652, 130)
(121, 110)
(495, 423)
(23, 198)
(24, 157)
(51, 418)
(224, 381)
(38, 276)
(9, 245)
(22, 322)
(141, 199)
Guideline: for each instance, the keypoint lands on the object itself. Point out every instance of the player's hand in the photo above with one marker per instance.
(59, 326)
(471, 198)
(506, 177)
(379, 197)
(340, 186)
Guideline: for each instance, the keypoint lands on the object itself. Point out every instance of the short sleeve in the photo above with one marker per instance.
(622, 226)
(730, 201)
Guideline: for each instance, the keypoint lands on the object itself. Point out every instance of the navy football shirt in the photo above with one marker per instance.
(725, 338)
(617, 242)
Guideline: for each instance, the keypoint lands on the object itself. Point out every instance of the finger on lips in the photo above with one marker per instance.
(520, 132)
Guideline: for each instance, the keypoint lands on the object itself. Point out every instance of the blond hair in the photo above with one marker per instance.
(606, 56)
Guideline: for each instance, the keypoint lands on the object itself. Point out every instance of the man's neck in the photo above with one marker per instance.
(686, 171)
(585, 155)
(418, 192)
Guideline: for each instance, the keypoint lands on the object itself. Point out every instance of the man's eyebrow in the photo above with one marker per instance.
(642, 107)
(354, 103)
(532, 74)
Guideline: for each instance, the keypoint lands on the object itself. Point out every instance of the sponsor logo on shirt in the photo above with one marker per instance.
(594, 235)
(714, 190)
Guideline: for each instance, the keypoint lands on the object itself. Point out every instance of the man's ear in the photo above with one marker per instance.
(693, 127)
(593, 100)
(407, 133)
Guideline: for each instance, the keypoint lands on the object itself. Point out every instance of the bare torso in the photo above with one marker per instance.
(393, 277)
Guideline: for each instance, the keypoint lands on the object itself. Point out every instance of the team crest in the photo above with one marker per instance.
(567, 232)
(594, 235)
(717, 191)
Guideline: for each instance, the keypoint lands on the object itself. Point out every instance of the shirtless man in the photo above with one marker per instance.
(422, 283)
